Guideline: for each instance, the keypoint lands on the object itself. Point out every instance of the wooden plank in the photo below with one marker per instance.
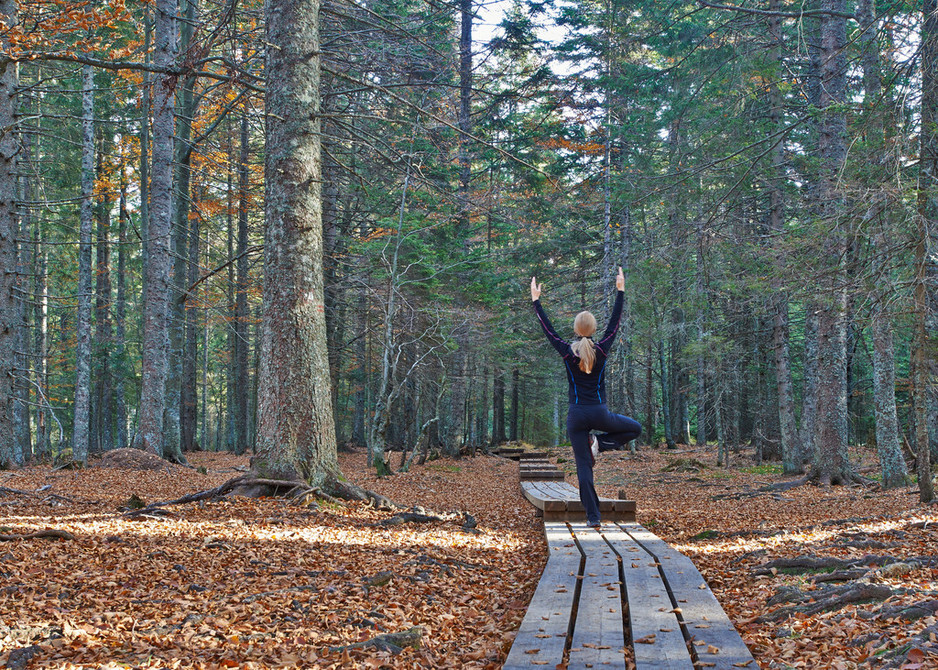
(715, 639)
(656, 633)
(598, 635)
(541, 638)
(541, 474)
(534, 495)
(533, 454)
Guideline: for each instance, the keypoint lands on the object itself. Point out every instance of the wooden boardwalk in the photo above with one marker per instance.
(615, 594)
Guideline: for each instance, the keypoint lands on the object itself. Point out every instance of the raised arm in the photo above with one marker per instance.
(561, 345)
(605, 343)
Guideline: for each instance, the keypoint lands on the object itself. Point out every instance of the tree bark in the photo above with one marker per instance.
(242, 312)
(25, 356)
(82, 406)
(791, 447)
(158, 267)
(464, 118)
(120, 320)
(102, 437)
(831, 463)
(515, 395)
(923, 341)
(8, 231)
(295, 429)
(892, 464)
(498, 406)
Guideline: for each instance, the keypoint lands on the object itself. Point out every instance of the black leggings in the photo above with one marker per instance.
(618, 431)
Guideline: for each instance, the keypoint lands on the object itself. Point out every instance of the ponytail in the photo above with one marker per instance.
(585, 350)
(584, 326)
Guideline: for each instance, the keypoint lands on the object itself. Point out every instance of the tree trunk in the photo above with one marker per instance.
(231, 386)
(102, 437)
(242, 313)
(361, 383)
(120, 320)
(8, 170)
(892, 464)
(831, 463)
(809, 391)
(650, 422)
(25, 356)
(515, 395)
(464, 118)
(154, 368)
(295, 427)
(665, 398)
(179, 434)
(791, 447)
(498, 406)
(43, 427)
(923, 343)
(82, 406)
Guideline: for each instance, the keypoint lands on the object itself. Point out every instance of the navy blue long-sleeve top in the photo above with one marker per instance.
(583, 388)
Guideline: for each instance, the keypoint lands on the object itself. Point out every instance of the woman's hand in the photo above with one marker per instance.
(620, 281)
(535, 290)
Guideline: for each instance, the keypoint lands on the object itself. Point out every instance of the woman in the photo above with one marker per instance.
(585, 362)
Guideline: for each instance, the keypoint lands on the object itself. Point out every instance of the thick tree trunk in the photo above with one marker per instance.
(891, 461)
(791, 446)
(295, 430)
(24, 345)
(158, 268)
(831, 463)
(181, 387)
(923, 342)
(82, 406)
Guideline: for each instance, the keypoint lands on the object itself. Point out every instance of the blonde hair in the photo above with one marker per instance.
(584, 325)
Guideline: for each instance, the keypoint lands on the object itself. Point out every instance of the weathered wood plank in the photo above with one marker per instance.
(531, 475)
(655, 631)
(535, 495)
(541, 638)
(569, 497)
(598, 635)
(715, 639)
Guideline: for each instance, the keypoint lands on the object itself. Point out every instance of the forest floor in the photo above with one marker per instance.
(265, 583)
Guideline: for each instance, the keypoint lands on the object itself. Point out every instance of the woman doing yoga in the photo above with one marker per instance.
(585, 363)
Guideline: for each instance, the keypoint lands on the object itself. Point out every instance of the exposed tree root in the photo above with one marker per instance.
(817, 564)
(829, 599)
(420, 515)
(7, 491)
(391, 642)
(905, 656)
(50, 532)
